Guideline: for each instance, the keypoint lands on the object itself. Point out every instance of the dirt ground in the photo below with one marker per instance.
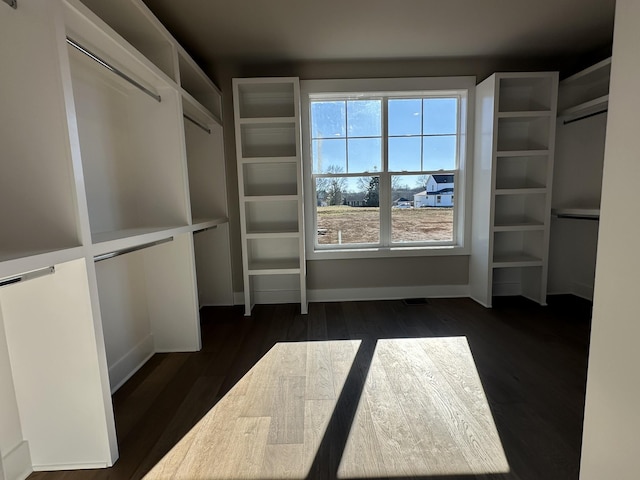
(362, 224)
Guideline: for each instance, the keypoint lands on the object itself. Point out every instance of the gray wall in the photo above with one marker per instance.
(612, 419)
(362, 273)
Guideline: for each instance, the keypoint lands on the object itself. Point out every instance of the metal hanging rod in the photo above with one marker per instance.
(108, 66)
(566, 122)
(205, 229)
(196, 122)
(27, 276)
(117, 253)
(12, 4)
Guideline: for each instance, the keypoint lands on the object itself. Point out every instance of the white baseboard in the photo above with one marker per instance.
(72, 466)
(582, 290)
(123, 369)
(357, 294)
(269, 297)
(387, 293)
(16, 464)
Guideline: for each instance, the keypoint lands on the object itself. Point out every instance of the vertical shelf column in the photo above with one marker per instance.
(267, 126)
(515, 138)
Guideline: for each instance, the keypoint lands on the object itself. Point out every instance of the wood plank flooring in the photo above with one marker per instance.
(362, 390)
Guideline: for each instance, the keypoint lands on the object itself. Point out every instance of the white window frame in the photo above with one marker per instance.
(464, 87)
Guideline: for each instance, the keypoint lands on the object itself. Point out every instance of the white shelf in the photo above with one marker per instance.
(577, 213)
(578, 91)
(266, 120)
(270, 198)
(272, 234)
(274, 268)
(200, 223)
(525, 114)
(267, 160)
(519, 227)
(107, 242)
(521, 191)
(523, 153)
(584, 109)
(516, 260)
(26, 261)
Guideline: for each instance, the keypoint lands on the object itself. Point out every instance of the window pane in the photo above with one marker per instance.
(328, 119)
(405, 116)
(348, 210)
(404, 154)
(364, 118)
(440, 116)
(422, 208)
(439, 153)
(329, 156)
(365, 155)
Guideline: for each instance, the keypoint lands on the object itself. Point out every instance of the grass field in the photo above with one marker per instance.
(362, 224)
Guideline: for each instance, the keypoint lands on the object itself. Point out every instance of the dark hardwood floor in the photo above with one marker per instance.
(531, 363)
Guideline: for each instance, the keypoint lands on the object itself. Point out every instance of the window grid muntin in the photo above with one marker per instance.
(385, 175)
(347, 136)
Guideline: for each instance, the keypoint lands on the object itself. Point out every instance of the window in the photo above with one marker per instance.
(385, 167)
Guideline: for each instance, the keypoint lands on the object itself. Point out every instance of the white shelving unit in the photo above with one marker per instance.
(515, 132)
(267, 125)
(114, 219)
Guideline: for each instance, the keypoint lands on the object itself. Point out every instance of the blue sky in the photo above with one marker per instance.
(421, 134)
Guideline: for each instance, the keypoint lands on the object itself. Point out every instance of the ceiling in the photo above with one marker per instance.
(312, 30)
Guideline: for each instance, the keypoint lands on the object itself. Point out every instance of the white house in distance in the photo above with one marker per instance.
(438, 192)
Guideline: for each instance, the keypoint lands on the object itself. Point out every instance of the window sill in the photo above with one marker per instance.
(387, 252)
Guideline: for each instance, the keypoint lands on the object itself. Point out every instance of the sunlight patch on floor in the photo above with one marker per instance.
(422, 411)
(271, 422)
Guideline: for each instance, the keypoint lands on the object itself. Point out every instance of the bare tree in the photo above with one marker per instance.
(332, 189)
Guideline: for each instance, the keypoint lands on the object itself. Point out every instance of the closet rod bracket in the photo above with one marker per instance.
(12, 3)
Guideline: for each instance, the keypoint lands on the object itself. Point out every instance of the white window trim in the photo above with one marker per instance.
(463, 178)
